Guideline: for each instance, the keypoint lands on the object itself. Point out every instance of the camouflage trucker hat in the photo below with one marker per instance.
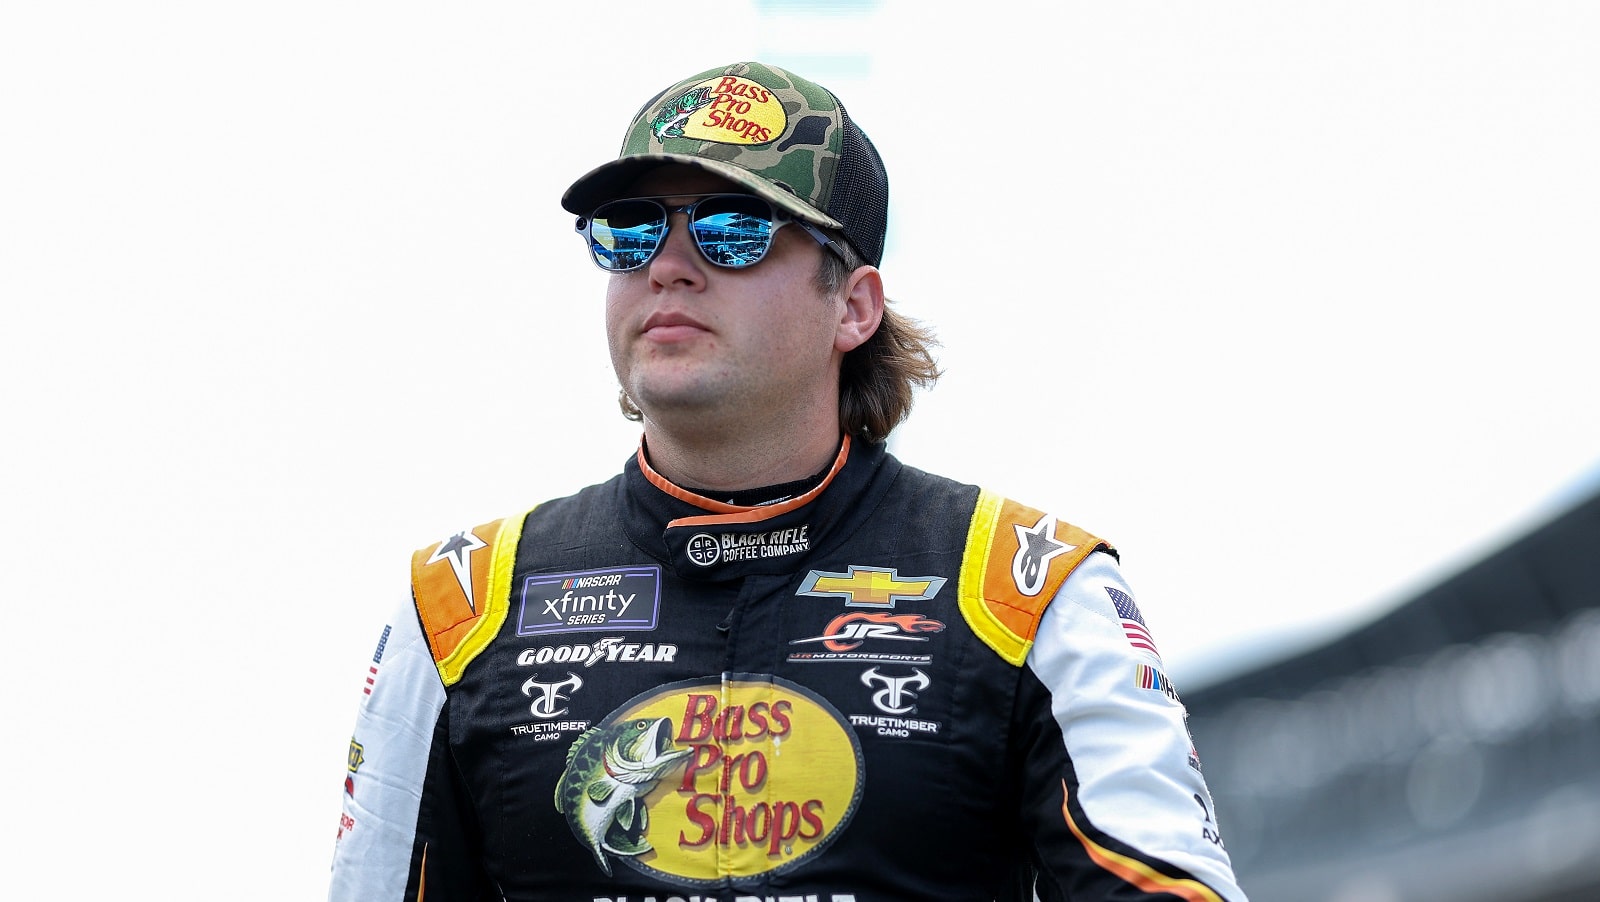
(782, 137)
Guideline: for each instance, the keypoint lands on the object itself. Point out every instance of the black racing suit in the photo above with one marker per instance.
(893, 687)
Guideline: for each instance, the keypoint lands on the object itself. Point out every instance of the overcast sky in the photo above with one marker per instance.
(1290, 301)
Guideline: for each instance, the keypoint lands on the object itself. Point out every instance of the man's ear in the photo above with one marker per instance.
(862, 310)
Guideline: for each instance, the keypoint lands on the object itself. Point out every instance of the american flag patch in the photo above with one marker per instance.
(377, 657)
(1132, 622)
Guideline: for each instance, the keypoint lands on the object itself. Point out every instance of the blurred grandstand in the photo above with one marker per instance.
(1449, 750)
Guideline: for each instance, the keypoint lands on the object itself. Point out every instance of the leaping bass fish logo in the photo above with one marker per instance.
(609, 772)
(729, 776)
(669, 120)
(725, 109)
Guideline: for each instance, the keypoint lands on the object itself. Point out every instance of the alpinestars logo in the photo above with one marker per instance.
(1036, 547)
(458, 551)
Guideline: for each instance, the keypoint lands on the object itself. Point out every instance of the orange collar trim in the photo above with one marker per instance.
(725, 513)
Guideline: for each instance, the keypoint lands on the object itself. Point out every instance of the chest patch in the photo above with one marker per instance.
(711, 779)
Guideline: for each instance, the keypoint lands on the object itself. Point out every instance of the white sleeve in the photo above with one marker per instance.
(388, 766)
(1140, 809)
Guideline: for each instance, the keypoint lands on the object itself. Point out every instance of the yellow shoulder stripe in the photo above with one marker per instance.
(462, 589)
(1015, 561)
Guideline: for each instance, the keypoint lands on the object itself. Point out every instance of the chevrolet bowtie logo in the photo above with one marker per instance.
(870, 587)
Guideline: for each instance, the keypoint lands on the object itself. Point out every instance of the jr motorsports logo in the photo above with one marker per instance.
(842, 638)
(622, 598)
(686, 783)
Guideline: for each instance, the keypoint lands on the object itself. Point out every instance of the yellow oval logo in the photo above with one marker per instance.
(727, 109)
(725, 778)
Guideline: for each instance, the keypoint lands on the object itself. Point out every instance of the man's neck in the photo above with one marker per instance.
(747, 460)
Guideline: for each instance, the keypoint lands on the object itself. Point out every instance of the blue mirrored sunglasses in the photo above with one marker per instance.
(731, 230)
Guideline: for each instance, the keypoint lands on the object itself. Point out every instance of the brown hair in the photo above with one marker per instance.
(877, 378)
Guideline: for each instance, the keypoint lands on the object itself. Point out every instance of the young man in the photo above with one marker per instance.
(768, 661)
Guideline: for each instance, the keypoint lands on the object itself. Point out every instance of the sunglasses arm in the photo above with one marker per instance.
(822, 239)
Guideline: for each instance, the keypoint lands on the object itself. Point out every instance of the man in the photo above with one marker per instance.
(768, 661)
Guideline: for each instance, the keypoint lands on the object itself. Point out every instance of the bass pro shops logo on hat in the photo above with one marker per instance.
(777, 135)
(737, 111)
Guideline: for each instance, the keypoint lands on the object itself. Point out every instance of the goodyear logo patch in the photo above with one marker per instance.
(714, 778)
(726, 109)
(623, 598)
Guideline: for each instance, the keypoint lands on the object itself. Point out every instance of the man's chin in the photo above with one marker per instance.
(666, 403)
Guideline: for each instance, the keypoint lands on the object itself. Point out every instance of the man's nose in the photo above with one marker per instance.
(679, 261)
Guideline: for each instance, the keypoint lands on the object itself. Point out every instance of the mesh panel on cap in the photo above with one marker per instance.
(860, 197)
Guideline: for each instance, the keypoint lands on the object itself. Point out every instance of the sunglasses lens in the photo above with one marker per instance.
(733, 230)
(624, 234)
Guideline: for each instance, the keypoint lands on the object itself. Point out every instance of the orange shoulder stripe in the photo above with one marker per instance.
(462, 589)
(1015, 561)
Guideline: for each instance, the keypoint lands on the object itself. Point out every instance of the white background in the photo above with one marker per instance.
(1288, 300)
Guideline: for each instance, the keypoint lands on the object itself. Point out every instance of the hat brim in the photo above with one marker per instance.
(610, 181)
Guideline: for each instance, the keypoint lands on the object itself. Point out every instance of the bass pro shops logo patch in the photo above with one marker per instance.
(726, 109)
(686, 783)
